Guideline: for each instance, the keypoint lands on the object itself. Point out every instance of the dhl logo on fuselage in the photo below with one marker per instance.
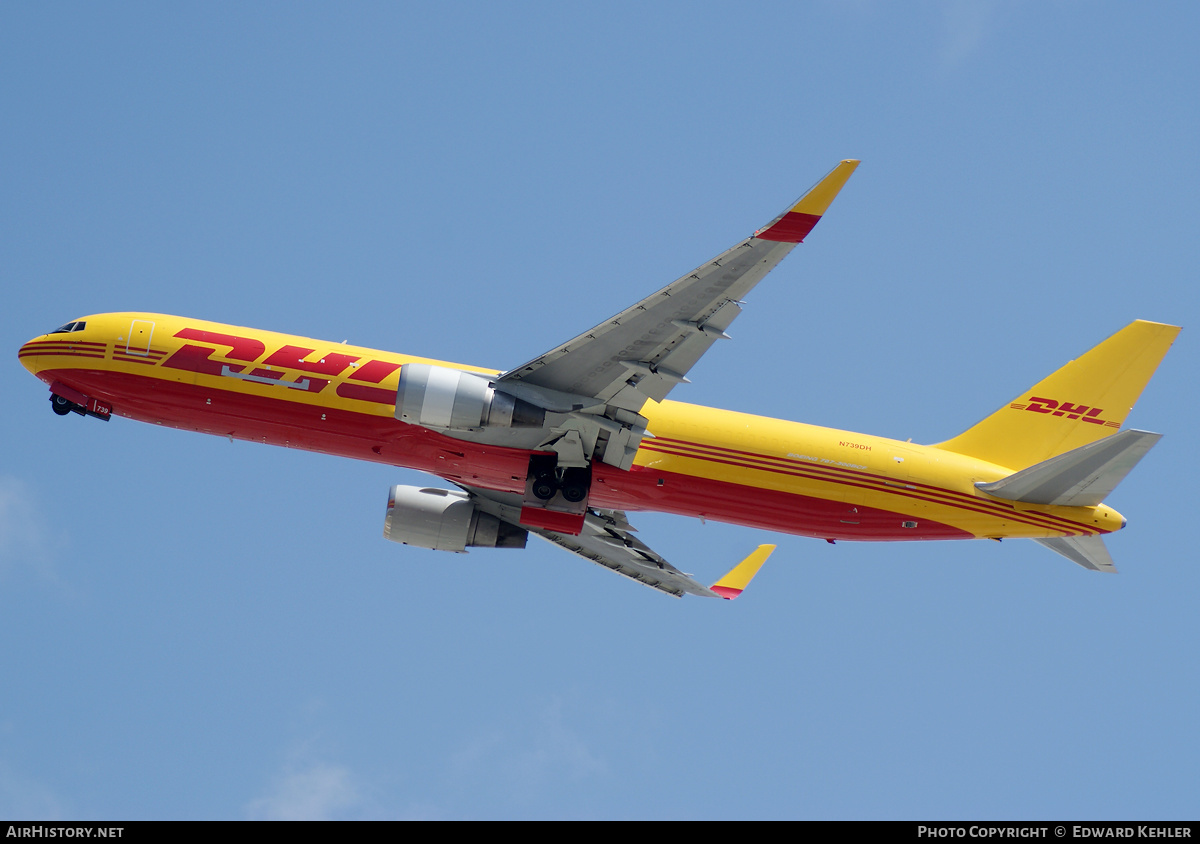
(231, 356)
(1072, 411)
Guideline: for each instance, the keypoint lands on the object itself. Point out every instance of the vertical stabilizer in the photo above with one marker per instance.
(1084, 401)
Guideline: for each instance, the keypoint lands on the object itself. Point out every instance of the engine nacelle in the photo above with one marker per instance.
(438, 397)
(445, 520)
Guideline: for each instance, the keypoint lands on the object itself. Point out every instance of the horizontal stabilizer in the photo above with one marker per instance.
(1082, 477)
(739, 577)
(1087, 551)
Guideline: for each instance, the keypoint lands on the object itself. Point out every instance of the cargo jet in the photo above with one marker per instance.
(564, 446)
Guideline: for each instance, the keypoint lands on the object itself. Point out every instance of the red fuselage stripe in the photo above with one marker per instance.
(880, 483)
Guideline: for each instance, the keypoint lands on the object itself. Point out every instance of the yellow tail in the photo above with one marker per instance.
(1086, 400)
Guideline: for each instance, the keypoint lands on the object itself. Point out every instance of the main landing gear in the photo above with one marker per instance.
(547, 480)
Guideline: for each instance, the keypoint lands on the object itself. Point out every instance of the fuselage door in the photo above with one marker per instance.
(140, 333)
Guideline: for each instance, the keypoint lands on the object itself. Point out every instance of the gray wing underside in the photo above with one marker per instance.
(644, 351)
(606, 539)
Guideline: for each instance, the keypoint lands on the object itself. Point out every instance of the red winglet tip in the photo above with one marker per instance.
(792, 227)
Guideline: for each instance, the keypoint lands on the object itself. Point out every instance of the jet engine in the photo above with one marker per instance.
(450, 399)
(445, 520)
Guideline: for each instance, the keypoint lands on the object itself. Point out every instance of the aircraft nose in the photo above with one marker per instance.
(28, 354)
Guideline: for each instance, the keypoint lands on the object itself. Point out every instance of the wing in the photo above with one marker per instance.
(582, 399)
(644, 351)
(607, 539)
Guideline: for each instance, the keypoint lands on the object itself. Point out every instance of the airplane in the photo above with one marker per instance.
(565, 445)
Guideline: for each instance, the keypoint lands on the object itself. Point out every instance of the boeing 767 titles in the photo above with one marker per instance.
(566, 444)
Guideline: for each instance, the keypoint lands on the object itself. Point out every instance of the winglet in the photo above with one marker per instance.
(794, 224)
(739, 577)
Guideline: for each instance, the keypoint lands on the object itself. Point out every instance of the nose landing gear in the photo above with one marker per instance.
(62, 405)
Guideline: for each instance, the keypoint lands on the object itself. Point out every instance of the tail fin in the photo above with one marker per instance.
(1084, 401)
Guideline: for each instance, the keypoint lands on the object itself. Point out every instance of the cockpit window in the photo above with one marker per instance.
(78, 325)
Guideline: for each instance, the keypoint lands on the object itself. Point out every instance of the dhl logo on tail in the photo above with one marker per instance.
(1081, 412)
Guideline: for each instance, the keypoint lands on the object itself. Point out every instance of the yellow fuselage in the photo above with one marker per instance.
(787, 476)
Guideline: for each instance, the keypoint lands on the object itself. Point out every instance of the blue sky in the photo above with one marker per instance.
(200, 629)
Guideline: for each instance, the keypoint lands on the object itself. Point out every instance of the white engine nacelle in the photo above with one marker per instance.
(437, 397)
(445, 520)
